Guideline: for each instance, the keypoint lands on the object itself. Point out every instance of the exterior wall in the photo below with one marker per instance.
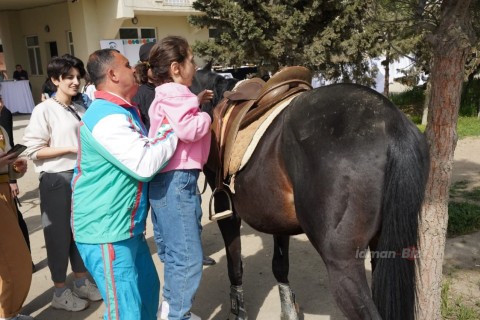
(169, 25)
(89, 24)
(89, 21)
(13, 43)
(167, 7)
(33, 23)
(16, 25)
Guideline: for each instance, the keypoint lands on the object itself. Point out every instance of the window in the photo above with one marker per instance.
(137, 33)
(34, 55)
(178, 3)
(147, 33)
(71, 49)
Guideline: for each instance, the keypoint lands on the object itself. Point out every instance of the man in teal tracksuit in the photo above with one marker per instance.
(109, 202)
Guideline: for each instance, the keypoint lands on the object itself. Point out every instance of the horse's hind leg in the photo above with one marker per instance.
(350, 289)
(280, 268)
(340, 227)
(342, 247)
(230, 229)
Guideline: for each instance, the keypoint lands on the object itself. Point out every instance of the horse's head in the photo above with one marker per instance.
(207, 79)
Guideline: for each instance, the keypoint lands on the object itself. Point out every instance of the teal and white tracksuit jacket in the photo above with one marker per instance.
(116, 160)
(110, 204)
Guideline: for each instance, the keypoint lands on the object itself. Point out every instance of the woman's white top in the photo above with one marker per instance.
(51, 125)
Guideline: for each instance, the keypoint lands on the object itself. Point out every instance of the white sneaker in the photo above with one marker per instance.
(69, 301)
(193, 316)
(164, 310)
(88, 291)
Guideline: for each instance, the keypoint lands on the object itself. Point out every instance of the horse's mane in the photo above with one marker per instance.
(205, 78)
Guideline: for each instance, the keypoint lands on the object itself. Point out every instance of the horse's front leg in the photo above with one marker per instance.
(280, 268)
(230, 229)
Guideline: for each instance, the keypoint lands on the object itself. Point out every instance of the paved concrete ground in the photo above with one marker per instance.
(308, 275)
(307, 272)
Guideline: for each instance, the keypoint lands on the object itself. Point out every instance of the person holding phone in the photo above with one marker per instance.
(52, 140)
(6, 121)
(15, 262)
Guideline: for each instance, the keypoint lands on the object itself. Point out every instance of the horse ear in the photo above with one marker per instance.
(208, 66)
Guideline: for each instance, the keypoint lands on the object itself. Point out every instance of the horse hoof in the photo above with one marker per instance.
(290, 308)
(237, 304)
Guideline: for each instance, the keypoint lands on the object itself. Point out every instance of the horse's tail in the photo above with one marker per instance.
(406, 174)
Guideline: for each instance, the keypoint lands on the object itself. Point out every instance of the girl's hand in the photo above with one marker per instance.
(205, 96)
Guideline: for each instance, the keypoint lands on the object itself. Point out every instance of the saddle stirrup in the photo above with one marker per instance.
(215, 216)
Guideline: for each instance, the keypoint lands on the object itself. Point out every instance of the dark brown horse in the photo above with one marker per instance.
(345, 166)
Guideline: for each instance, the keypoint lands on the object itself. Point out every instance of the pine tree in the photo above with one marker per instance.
(330, 37)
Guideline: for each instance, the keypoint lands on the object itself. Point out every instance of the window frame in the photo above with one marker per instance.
(139, 32)
(34, 56)
(71, 45)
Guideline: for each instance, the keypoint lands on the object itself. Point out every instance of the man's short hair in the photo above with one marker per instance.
(98, 63)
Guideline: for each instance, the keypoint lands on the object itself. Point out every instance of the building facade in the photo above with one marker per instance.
(32, 35)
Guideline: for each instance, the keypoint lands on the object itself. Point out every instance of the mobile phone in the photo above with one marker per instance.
(17, 149)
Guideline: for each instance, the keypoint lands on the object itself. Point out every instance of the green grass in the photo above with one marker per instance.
(463, 218)
(454, 308)
(411, 103)
(468, 127)
(463, 209)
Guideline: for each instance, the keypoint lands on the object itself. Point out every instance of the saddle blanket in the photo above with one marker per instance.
(249, 137)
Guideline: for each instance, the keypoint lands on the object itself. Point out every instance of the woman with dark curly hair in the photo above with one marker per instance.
(52, 140)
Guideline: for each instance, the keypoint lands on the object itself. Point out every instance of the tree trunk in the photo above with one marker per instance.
(426, 103)
(386, 80)
(450, 46)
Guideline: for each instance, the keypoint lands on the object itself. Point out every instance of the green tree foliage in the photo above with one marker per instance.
(336, 39)
(330, 37)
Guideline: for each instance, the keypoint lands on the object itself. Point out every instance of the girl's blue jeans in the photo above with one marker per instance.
(176, 217)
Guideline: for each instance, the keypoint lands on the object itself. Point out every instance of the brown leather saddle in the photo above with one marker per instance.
(248, 102)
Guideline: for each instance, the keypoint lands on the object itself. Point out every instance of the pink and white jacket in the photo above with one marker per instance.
(180, 107)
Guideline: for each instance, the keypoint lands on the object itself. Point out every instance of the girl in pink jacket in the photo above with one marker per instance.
(176, 210)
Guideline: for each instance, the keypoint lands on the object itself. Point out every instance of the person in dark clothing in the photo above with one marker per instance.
(6, 121)
(146, 91)
(19, 73)
(144, 98)
(48, 89)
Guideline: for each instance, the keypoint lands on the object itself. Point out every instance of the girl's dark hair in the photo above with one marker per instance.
(163, 54)
(60, 66)
(141, 72)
